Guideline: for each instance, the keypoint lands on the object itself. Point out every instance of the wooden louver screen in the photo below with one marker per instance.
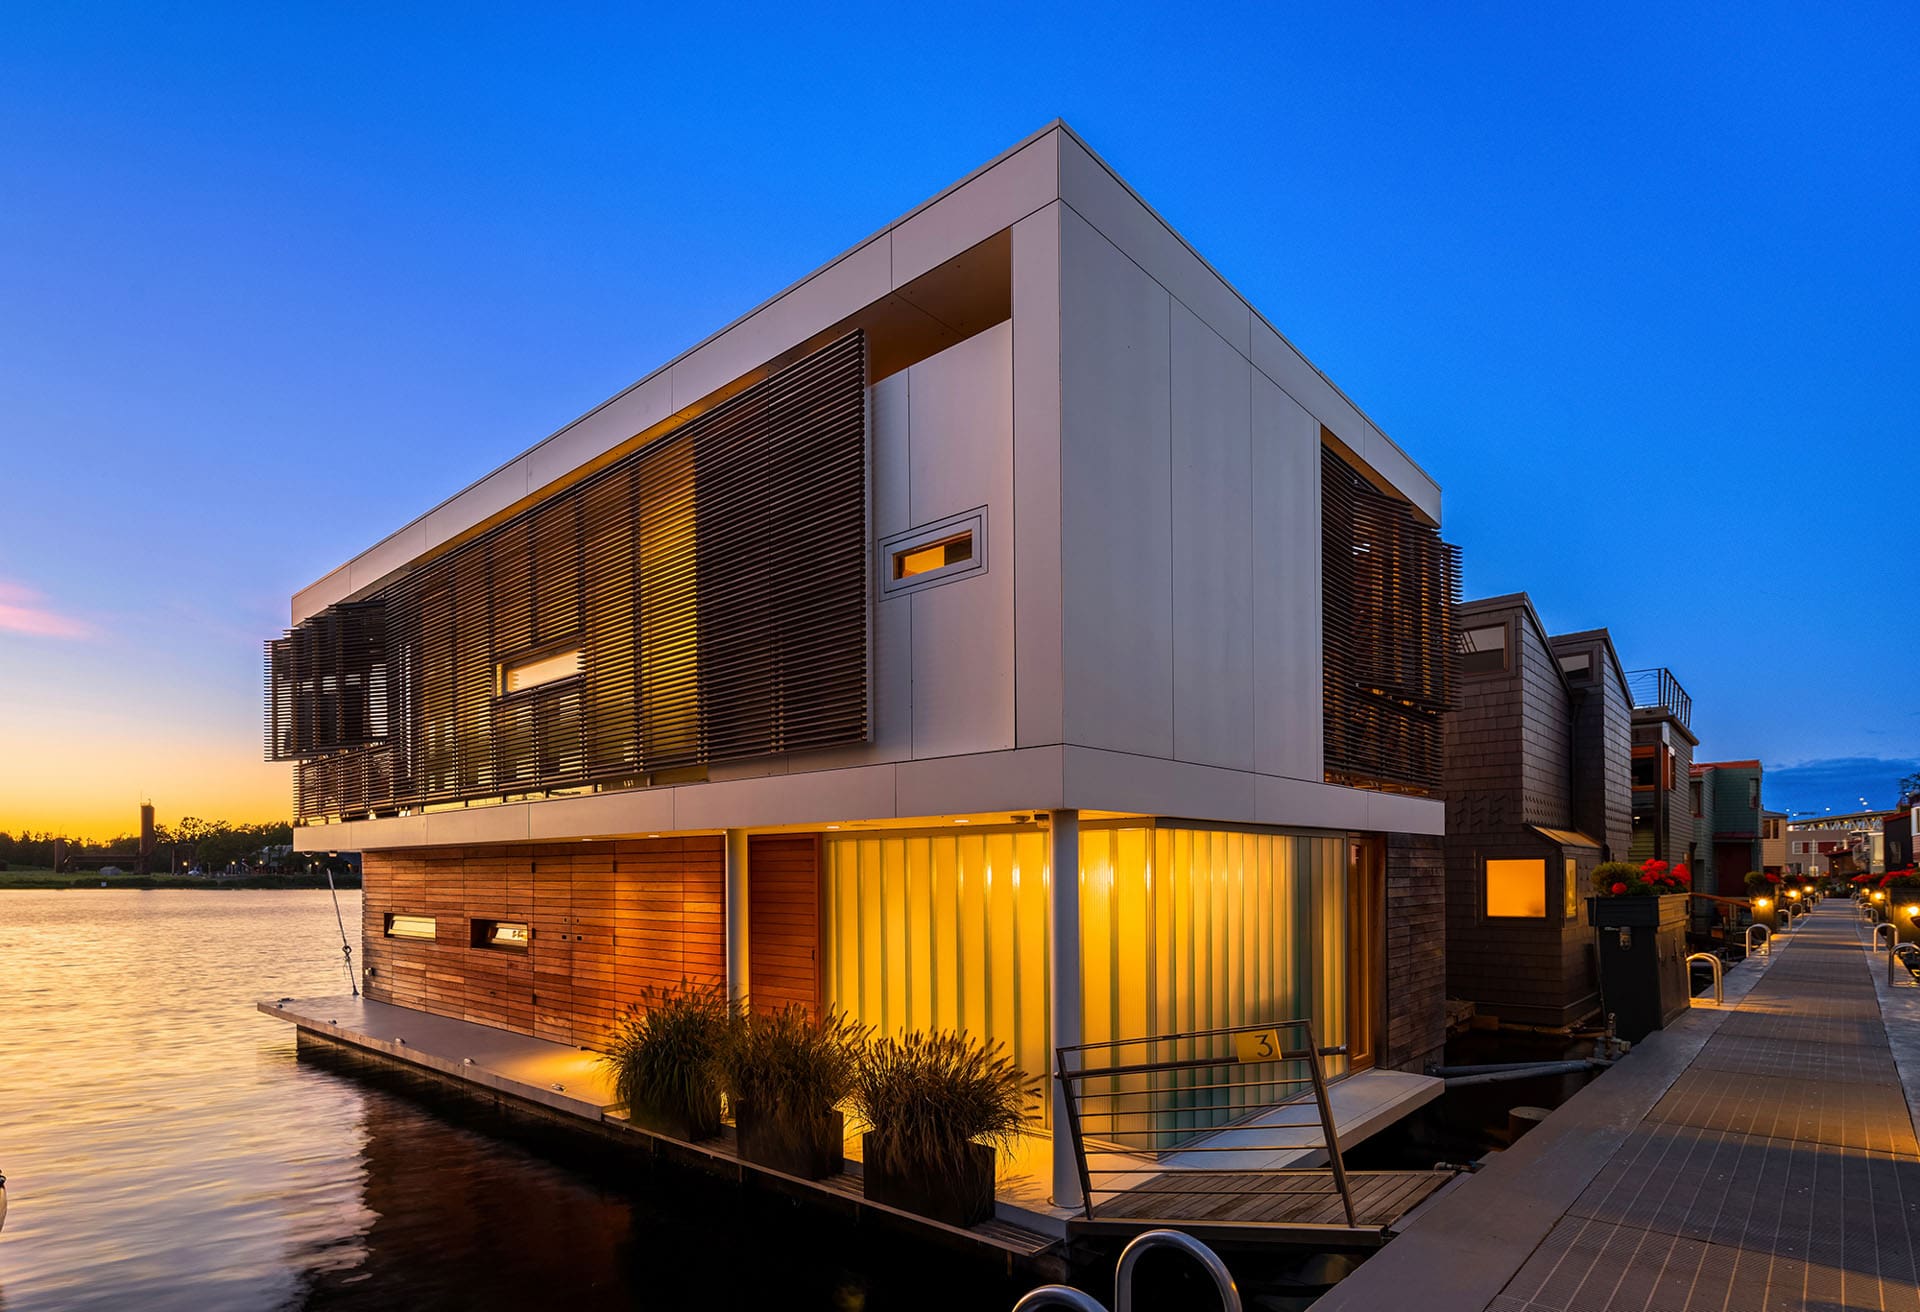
(713, 584)
(327, 684)
(1389, 586)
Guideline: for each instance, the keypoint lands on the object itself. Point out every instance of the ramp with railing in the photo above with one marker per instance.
(1219, 1130)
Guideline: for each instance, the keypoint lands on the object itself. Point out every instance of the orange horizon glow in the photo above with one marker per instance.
(81, 790)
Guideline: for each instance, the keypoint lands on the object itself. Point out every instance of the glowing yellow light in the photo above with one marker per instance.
(1761, 904)
(1913, 911)
(1793, 892)
(1879, 897)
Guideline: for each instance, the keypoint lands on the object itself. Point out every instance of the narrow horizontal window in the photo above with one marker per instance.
(502, 935)
(955, 550)
(1483, 650)
(409, 926)
(532, 671)
(1517, 889)
(934, 553)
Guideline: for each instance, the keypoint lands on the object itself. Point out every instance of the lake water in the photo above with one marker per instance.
(165, 1149)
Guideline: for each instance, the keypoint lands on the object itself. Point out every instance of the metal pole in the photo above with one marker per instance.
(1326, 1125)
(1063, 989)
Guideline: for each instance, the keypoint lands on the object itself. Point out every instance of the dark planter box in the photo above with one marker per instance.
(1767, 915)
(960, 1198)
(688, 1123)
(812, 1149)
(1643, 961)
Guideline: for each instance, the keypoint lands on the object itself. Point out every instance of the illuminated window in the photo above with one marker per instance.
(934, 553)
(502, 935)
(533, 671)
(1483, 650)
(1517, 889)
(915, 561)
(399, 926)
(1571, 892)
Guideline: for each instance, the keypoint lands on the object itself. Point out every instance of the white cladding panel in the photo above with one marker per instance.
(1213, 547)
(1036, 478)
(1288, 698)
(1116, 526)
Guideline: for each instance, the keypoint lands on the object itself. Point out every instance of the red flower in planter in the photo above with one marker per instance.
(1683, 876)
(1619, 889)
(1772, 878)
(1654, 867)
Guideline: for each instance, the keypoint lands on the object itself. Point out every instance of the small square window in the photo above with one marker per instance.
(403, 926)
(1517, 889)
(1577, 666)
(1483, 650)
(502, 935)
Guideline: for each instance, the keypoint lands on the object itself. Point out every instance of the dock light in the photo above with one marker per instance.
(1911, 911)
(1761, 904)
(1878, 896)
(1793, 892)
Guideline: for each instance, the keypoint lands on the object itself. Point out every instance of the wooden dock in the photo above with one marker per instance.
(1761, 1154)
(1277, 1199)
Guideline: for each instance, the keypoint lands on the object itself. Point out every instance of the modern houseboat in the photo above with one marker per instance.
(1004, 628)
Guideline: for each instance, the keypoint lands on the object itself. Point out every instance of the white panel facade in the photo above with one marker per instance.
(1116, 521)
(1213, 547)
(1036, 478)
(1288, 698)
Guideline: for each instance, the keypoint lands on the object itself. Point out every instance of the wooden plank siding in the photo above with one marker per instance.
(609, 920)
(783, 921)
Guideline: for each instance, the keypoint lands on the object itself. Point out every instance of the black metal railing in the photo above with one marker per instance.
(1160, 1123)
(1657, 689)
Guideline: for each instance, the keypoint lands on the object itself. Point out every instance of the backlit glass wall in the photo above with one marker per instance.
(1182, 929)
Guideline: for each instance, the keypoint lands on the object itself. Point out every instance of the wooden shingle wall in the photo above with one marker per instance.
(1416, 951)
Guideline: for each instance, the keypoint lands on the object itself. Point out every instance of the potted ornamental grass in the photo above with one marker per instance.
(664, 1056)
(786, 1073)
(1639, 917)
(937, 1106)
(1902, 904)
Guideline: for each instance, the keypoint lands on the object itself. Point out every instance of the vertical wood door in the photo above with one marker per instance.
(783, 920)
(1366, 950)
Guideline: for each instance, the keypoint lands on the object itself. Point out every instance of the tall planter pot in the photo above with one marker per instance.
(1643, 961)
(689, 1122)
(960, 1198)
(812, 1148)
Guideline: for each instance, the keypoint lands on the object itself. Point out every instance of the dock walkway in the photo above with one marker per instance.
(1759, 1155)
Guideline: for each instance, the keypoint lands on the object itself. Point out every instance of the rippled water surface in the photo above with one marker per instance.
(165, 1148)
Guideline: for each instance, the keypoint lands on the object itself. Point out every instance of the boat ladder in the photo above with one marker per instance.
(1077, 1300)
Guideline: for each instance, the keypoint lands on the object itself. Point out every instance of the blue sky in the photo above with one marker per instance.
(1637, 285)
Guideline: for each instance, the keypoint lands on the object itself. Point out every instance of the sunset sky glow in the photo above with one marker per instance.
(1631, 282)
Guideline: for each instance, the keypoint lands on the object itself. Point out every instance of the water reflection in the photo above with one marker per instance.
(166, 1148)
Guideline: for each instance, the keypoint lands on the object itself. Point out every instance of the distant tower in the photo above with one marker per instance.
(146, 838)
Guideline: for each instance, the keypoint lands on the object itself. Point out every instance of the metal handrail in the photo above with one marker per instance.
(1208, 1259)
(1719, 994)
(1766, 941)
(1068, 1297)
(1893, 935)
(1074, 1075)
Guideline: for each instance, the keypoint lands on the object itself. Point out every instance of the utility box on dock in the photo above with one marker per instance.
(1643, 961)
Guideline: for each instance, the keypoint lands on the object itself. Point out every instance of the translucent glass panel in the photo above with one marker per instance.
(1517, 888)
(943, 931)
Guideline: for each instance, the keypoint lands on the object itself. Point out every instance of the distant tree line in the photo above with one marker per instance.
(194, 844)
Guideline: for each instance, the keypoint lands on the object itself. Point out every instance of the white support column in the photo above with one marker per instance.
(736, 915)
(1063, 990)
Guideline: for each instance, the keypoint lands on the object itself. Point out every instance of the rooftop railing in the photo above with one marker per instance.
(1657, 690)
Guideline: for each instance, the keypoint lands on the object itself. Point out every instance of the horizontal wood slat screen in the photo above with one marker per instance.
(783, 921)
(1389, 586)
(712, 584)
(327, 684)
(609, 921)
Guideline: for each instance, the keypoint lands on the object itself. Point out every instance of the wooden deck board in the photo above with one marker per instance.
(1380, 1198)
